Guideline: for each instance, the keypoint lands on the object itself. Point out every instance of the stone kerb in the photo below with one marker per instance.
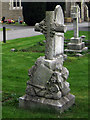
(48, 86)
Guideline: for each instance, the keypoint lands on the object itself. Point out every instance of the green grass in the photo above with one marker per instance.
(16, 24)
(15, 67)
(70, 34)
(1, 29)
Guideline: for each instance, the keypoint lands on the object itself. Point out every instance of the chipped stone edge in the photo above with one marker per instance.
(42, 103)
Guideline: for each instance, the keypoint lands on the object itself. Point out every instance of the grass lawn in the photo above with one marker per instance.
(15, 24)
(1, 29)
(15, 67)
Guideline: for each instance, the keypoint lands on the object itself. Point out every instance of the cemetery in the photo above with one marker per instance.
(42, 76)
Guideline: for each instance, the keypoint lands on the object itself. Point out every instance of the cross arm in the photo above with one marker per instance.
(58, 28)
(40, 27)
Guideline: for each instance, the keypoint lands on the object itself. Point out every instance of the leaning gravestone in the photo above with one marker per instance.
(76, 44)
(47, 87)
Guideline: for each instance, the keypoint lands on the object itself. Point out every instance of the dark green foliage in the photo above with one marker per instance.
(34, 12)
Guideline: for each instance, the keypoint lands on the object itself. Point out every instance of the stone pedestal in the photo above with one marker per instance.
(47, 87)
(76, 45)
(47, 104)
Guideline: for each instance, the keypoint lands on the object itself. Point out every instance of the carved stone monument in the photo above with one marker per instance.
(47, 87)
(76, 44)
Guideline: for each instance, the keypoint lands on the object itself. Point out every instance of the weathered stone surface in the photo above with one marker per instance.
(75, 40)
(48, 104)
(65, 90)
(77, 51)
(53, 28)
(51, 64)
(47, 86)
(83, 37)
(30, 91)
(76, 44)
(48, 78)
(59, 37)
(65, 73)
(79, 55)
(41, 75)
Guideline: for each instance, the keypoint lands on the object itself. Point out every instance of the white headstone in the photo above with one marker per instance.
(53, 28)
(75, 15)
(59, 37)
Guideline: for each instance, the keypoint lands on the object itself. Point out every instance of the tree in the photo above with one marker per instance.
(35, 11)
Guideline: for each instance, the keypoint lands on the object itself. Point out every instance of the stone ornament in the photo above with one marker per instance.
(48, 84)
(76, 44)
(53, 28)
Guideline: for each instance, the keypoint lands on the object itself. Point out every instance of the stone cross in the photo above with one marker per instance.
(47, 85)
(53, 28)
(75, 15)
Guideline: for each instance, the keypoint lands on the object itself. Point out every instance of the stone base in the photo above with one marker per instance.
(48, 104)
(76, 45)
(77, 51)
(47, 87)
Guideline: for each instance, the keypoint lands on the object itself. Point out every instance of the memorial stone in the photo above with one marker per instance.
(76, 44)
(47, 87)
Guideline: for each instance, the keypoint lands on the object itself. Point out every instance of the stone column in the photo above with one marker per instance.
(75, 25)
(49, 40)
(82, 10)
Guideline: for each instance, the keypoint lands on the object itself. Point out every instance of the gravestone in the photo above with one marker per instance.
(47, 87)
(76, 45)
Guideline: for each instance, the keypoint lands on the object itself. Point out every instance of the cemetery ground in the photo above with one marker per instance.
(1, 29)
(15, 67)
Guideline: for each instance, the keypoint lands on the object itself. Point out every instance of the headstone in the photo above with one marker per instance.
(47, 87)
(76, 44)
(54, 33)
(75, 16)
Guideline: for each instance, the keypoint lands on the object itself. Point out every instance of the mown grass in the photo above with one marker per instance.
(1, 29)
(15, 24)
(15, 67)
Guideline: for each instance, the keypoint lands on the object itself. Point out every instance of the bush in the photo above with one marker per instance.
(34, 12)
